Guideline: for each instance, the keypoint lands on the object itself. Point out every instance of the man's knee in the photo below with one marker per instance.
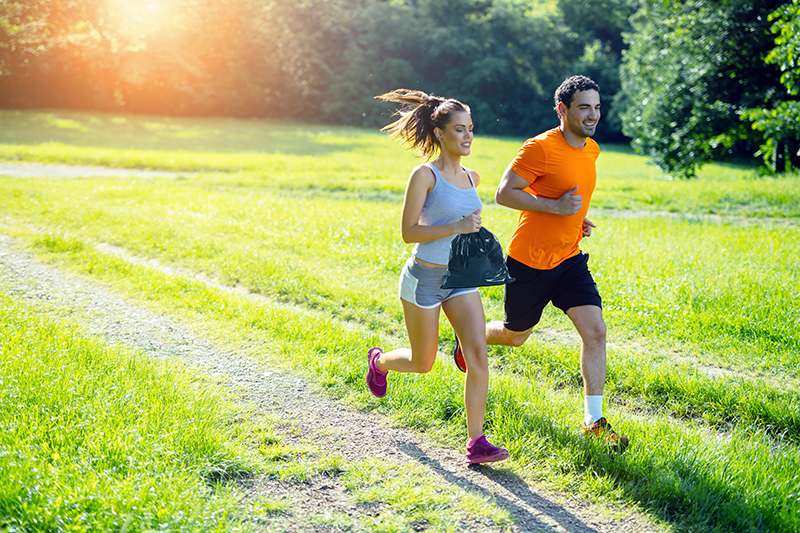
(517, 338)
(594, 332)
(424, 364)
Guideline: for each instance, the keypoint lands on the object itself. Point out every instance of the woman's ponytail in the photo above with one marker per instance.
(419, 115)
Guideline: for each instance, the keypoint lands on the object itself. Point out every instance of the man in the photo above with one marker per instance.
(550, 182)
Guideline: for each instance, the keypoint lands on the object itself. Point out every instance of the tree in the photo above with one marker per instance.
(600, 39)
(317, 60)
(690, 70)
(780, 125)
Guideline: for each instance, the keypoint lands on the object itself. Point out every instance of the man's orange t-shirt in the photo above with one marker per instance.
(552, 167)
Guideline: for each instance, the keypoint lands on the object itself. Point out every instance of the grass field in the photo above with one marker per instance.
(96, 438)
(699, 279)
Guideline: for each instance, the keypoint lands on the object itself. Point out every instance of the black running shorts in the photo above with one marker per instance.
(569, 284)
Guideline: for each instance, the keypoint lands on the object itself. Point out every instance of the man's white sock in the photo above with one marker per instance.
(592, 408)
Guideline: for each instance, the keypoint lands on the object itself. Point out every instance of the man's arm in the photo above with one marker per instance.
(510, 193)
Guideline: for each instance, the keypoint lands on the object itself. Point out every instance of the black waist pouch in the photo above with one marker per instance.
(476, 260)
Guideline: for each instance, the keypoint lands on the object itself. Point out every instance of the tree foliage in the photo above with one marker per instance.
(196, 57)
(780, 124)
(600, 38)
(691, 69)
(319, 60)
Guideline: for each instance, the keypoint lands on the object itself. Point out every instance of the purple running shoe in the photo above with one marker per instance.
(376, 380)
(481, 450)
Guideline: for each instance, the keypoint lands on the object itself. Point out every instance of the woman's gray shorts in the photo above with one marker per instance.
(422, 285)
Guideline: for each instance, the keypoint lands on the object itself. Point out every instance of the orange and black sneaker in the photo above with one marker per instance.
(458, 356)
(602, 430)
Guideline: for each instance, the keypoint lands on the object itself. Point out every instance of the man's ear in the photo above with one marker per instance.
(561, 109)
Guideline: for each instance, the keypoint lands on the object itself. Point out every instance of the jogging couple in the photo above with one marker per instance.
(550, 182)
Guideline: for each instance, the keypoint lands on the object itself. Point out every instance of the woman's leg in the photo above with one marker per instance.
(423, 334)
(465, 313)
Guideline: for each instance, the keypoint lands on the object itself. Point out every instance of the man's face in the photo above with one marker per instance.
(583, 114)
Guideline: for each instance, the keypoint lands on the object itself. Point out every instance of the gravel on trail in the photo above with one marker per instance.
(329, 424)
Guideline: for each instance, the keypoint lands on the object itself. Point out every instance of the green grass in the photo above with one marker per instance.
(96, 438)
(303, 159)
(266, 507)
(249, 240)
(309, 216)
(698, 478)
(665, 280)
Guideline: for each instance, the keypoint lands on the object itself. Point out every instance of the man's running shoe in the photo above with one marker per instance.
(481, 450)
(602, 430)
(376, 380)
(458, 356)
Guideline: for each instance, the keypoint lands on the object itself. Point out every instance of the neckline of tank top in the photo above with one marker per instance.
(441, 177)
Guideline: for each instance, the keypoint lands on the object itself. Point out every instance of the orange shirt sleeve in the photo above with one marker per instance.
(530, 161)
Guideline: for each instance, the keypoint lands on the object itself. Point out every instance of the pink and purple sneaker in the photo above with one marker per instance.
(376, 380)
(480, 450)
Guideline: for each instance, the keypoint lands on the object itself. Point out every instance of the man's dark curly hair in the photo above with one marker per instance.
(572, 85)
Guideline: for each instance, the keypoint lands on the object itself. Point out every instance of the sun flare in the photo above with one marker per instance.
(139, 19)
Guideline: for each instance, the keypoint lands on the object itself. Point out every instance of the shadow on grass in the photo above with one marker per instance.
(681, 488)
(530, 509)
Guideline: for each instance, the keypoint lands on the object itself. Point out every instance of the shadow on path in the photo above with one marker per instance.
(534, 512)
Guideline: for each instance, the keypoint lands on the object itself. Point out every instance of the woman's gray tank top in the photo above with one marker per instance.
(444, 204)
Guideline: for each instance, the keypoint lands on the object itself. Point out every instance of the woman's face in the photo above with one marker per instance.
(456, 136)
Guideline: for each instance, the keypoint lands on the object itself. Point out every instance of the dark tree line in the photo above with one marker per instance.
(687, 81)
(319, 60)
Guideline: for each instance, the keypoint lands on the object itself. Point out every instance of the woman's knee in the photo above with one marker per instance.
(476, 357)
(478, 369)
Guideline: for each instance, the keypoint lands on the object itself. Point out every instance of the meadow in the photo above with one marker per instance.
(101, 438)
(699, 278)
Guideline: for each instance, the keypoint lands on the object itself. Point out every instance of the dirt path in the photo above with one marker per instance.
(334, 427)
(569, 338)
(49, 170)
(41, 170)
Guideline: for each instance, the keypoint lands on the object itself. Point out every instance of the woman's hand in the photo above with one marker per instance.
(470, 223)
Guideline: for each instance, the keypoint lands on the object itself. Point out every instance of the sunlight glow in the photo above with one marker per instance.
(139, 19)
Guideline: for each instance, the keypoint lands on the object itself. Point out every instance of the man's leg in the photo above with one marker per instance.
(588, 320)
(524, 300)
(498, 333)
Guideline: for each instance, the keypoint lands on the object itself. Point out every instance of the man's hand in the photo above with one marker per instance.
(587, 227)
(569, 204)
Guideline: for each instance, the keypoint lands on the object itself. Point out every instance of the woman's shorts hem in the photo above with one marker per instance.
(422, 286)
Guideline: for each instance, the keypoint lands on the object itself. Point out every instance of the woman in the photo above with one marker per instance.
(440, 202)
